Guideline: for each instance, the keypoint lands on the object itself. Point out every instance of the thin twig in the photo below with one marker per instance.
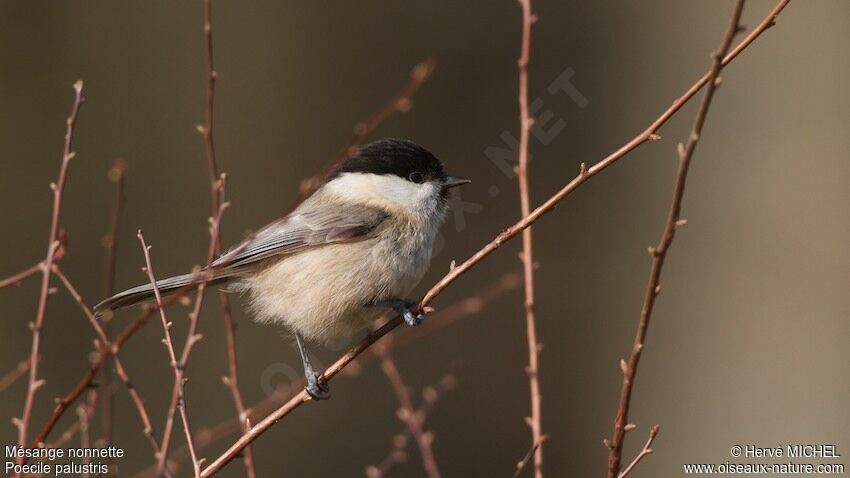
(117, 174)
(191, 336)
(20, 276)
(659, 252)
(52, 245)
(398, 454)
(13, 375)
(509, 233)
(646, 450)
(527, 256)
(231, 380)
(527, 458)
(106, 396)
(407, 413)
(179, 376)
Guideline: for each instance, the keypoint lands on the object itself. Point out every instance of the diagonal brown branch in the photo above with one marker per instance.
(527, 256)
(659, 252)
(509, 233)
(52, 246)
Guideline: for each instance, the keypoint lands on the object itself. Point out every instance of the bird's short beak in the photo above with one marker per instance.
(454, 181)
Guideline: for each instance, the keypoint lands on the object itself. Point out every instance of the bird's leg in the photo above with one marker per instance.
(402, 308)
(316, 389)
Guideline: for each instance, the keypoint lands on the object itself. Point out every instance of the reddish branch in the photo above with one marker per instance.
(52, 246)
(509, 233)
(231, 380)
(179, 369)
(407, 413)
(659, 252)
(525, 119)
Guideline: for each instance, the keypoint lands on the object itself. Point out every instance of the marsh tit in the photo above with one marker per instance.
(348, 254)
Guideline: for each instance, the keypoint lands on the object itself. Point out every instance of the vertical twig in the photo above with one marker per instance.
(534, 421)
(110, 244)
(231, 380)
(191, 336)
(407, 413)
(659, 252)
(179, 367)
(52, 245)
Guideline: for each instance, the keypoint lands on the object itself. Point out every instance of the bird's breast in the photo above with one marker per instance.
(325, 292)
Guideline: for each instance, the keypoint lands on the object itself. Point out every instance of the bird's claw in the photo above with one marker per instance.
(402, 308)
(318, 390)
(412, 319)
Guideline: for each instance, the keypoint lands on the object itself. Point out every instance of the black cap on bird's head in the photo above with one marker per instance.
(398, 157)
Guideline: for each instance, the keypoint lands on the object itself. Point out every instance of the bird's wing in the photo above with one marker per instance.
(305, 227)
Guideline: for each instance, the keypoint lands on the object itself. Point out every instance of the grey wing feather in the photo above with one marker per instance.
(306, 226)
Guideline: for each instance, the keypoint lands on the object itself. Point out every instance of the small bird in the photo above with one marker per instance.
(348, 254)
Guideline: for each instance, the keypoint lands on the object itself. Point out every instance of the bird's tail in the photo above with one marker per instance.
(145, 291)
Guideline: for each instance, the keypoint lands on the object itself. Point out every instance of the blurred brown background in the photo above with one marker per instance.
(748, 340)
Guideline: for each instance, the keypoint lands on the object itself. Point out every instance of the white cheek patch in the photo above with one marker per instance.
(382, 190)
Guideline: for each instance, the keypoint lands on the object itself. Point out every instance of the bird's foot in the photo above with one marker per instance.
(318, 390)
(402, 308)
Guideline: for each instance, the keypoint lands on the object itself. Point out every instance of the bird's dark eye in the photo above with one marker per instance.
(416, 177)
